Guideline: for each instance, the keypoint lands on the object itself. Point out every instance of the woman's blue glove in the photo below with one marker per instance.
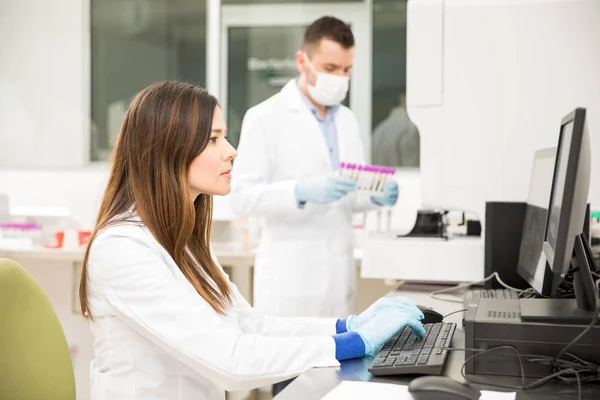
(390, 195)
(354, 322)
(323, 190)
(385, 324)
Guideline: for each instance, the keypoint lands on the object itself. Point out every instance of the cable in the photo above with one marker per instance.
(583, 371)
(461, 286)
(523, 386)
(586, 330)
(455, 312)
(435, 295)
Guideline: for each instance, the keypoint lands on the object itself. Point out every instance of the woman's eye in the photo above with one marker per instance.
(213, 139)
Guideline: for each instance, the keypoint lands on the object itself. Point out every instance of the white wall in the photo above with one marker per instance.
(44, 90)
(499, 77)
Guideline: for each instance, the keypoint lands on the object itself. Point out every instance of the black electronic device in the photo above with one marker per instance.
(498, 324)
(431, 316)
(504, 227)
(473, 296)
(429, 223)
(515, 234)
(441, 388)
(564, 243)
(544, 326)
(407, 353)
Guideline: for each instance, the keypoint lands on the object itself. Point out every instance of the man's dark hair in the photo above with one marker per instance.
(328, 28)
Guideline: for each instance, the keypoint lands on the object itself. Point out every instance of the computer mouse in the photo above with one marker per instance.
(441, 388)
(431, 316)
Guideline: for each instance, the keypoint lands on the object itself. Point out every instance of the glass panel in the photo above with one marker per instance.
(135, 43)
(396, 141)
(287, 1)
(261, 60)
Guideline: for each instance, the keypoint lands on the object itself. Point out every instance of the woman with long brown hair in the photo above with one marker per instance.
(167, 322)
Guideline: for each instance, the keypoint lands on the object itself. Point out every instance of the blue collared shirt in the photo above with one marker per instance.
(328, 128)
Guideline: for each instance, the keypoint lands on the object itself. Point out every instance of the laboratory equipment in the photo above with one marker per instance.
(429, 223)
(477, 129)
(407, 353)
(369, 178)
(546, 326)
(472, 297)
(509, 221)
(20, 235)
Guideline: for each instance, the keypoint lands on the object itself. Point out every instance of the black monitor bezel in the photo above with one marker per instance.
(577, 117)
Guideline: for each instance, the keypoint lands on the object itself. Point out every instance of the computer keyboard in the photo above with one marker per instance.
(407, 353)
(473, 296)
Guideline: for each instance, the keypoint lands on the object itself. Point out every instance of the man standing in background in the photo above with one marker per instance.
(290, 147)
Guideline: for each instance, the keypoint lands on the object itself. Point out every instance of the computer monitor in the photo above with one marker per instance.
(531, 265)
(570, 189)
(564, 244)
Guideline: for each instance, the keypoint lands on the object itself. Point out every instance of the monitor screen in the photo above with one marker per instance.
(559, 185)
(532, 262)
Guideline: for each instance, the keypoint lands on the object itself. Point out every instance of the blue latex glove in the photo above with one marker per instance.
(390, 195)
(385, 324)
(354, 322)
(323, 190)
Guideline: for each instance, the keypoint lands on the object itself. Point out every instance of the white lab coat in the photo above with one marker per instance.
(304, 262)
(156, 338)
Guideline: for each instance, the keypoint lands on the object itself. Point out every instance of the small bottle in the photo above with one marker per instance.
(342, 169)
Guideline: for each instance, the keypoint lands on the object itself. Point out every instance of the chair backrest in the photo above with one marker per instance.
(35, 362)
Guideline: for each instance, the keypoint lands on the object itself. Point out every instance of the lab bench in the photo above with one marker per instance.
(316, 383)
(237, 261)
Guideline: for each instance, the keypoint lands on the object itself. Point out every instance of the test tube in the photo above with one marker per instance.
(387, 177)
(380, 178)
(373, 183)
(360, 178)
(368, 177)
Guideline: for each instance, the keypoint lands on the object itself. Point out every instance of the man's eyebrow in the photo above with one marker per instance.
(337, 66)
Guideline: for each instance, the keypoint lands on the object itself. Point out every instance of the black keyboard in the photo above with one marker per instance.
(407, 353)
(473, 296)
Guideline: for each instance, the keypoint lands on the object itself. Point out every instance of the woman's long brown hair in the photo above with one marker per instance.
(167, 125)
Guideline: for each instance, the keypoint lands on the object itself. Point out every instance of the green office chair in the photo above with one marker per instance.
(35, 363)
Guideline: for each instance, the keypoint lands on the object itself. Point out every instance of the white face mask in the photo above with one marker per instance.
(329, 89)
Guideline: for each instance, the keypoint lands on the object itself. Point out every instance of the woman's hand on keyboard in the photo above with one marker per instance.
(354, 322)
(386, 323)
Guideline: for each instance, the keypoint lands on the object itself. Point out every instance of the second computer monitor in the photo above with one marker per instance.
(532, 265)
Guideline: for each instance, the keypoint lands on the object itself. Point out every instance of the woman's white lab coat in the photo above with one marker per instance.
(156, 338)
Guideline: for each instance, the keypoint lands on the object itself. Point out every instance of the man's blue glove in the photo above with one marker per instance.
(390, 195)
(323, 190)
(354, 322)
(385, 324)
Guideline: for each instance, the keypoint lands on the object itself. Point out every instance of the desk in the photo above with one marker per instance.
(317, 382)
